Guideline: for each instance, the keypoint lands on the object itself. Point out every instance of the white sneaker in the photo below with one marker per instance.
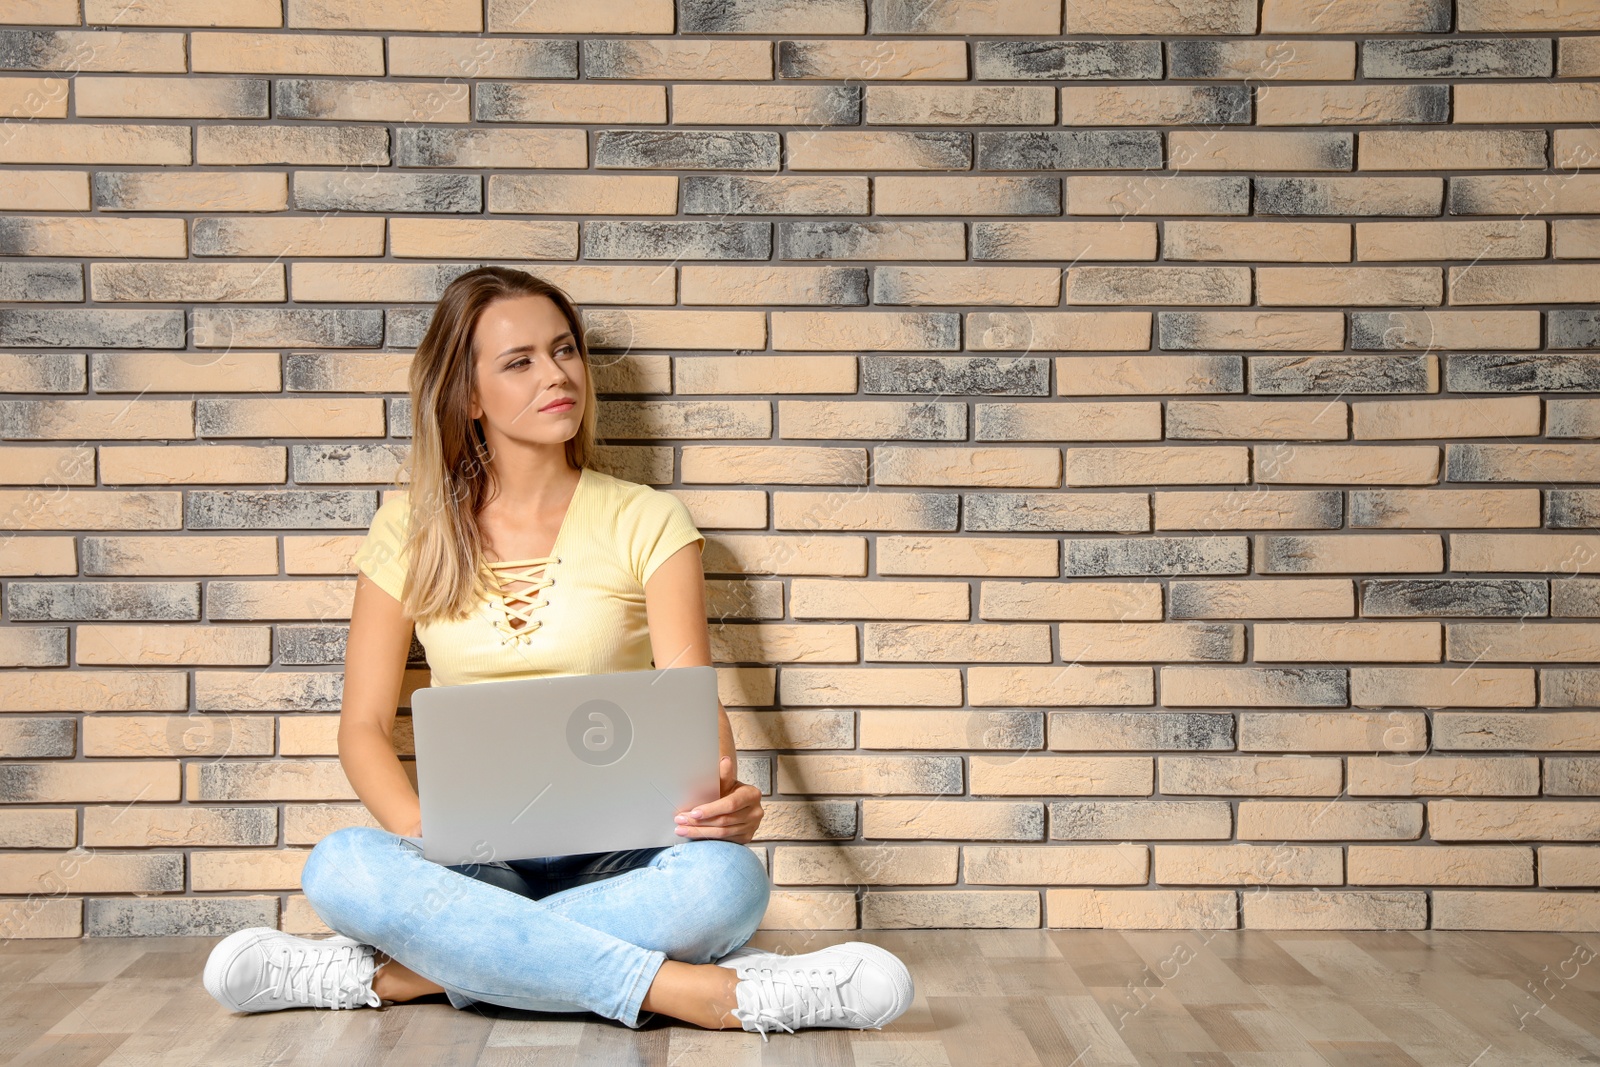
(262, 969)
(855, 985)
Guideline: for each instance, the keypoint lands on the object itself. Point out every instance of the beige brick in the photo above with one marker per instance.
(176, 735)
(94, 691)
(187, 282)
(34, 98)
(46, 465)
(1347, 286)
(1081, 599)
(156, 556)
(167, 98)
(1320, 909)
(1165, 194)
(238, 869)
(136, 645)
(37, 828)
(45, 190)
(1441, 687)
(183, 12)
(1345, 105)
(1255, 509)
(1066, 241)
(560, 194)
(1541, 819)
(1348, 464)
(1165, 285)
(1493, 239)
(439, 238)
(1576, 238)
(98, 871)
(1332, 731)
(1452, 149)
(1578, 57)
(284, 237)
(1354, 16)
(1055, 864)
(43, 13)
(85, 143)
(1444, 507)
(1555, 642)
(1550, 553)
(442, 15)
(1209, 687)
(1260, 598)
(1248, 865)
(95, 781)
(319, 600)
(1525, 283)
(993, 820)
(352, 417)
(313, 554)
(1071, 331)
(1554, 731)
(950, 642)
(871, 685)
(1349, 553)
(89, 509)
(267, 780)
(787, 910)
(1338, 820)
(1568, 865)
(33, 557)
(617, 16)
(1528, 103)
(1157, 465)
(1259, 150)
(1074, 684)
(1392, 774)
(1152, 17)
(192, 190)
(1514, 910)
(1248, 776)
(1478, 417)
(1493, 194)
(185, 372)
(1254, 331)
(374, 101)
(1440, 865)
(1124, 376)
(1061, 775)
(1275, 242)
(865, 865)
(41, 235)
(1142, 909)
(258, 53)
(950, 729)
(1366, 642)
(953, 909)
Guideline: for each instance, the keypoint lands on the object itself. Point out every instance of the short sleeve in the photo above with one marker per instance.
(380, 555)
(661, 525)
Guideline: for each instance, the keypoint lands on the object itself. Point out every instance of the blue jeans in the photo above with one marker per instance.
(567, 933)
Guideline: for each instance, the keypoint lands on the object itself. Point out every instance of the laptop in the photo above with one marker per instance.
(538, 767)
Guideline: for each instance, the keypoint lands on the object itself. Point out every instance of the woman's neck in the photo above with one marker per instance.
(530, 480)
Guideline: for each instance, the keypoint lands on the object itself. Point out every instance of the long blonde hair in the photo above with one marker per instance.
(451, 476)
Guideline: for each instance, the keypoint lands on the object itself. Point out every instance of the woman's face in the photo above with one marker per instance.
(525, 359)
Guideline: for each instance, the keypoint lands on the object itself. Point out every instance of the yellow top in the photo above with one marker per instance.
(579, 610)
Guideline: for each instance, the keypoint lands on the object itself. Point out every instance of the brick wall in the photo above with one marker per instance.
(1147, 450)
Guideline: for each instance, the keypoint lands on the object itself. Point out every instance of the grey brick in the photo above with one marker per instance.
(1064, 60)
(103, 601)
(277, 691)
(1069, 149)
(37, 50)
(603, 58)
(1575, 598)
(354, 191)
(677, 240)
(25, 281)
(1110, 820)
(687, 149)
(286, 509)
(33, 737)
(405, 327)
(735, 194)
(1477, 597)
(1189, 731)
(522, 57)
(91, 328)
(845, 240)
(1458, 57)
(1156, 555)
(1567, 509)
(1576, 687)
(757, 770)
(287, 327)
(176, 917)
(399, 416)
(1333, 375)
(445, 146)
(956, 375)
(1573, 328)
(320, 644)
(1348, 196)
(379, 463)
(1572, 776)
(1390, 331)
(42, 372)
(1522, 372)
(33, 646)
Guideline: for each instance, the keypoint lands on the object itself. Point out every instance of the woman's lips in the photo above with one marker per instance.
(558, 406)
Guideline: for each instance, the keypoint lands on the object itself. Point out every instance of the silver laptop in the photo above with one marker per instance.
(558, 766)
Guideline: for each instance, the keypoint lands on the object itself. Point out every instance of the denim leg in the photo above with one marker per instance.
(481, 940)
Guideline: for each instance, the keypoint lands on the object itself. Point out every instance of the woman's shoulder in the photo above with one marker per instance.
(632, 500)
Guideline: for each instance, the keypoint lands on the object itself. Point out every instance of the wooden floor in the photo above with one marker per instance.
(1001, 997)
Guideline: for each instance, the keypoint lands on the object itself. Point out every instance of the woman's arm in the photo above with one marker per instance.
(374, 667)
(675, 610)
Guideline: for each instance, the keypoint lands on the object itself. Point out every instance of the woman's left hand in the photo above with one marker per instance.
(734, 817)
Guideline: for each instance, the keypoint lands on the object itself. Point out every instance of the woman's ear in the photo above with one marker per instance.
(474, 409)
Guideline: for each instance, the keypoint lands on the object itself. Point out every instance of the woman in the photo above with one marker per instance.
(503, 506)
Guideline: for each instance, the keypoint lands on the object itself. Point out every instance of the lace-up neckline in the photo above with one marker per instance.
(531, 578)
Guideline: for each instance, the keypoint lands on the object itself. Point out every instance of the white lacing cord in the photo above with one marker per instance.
(816, 998)
(329, 977)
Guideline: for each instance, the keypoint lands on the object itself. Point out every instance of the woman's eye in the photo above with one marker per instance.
(520, 361)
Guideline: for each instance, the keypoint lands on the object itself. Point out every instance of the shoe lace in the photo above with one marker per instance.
(339, 977)
(813, 997)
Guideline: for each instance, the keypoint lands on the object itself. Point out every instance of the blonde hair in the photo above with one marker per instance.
(450, 475)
